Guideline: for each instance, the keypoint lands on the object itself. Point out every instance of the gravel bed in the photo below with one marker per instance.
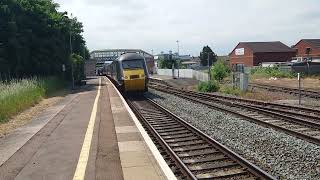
(279, 154)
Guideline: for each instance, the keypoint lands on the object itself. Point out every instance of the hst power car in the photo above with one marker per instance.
(129, 72)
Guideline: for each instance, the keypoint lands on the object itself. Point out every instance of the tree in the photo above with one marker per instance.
(204, 56)
(219, 70)
(166, 61)
(34, 39)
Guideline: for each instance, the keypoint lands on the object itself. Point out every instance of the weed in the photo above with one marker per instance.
(17, 95)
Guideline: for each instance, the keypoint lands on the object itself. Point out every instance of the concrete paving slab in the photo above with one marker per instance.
(15, 140)
(126, 129)
(134, 173)
(59, 154)
(128, 137)
(130, 146)
(139, 157)
(122, 119)
(134, 159)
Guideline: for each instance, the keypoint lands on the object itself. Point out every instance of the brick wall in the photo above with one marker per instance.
(246, 58)
(301, 50)
(272, 57)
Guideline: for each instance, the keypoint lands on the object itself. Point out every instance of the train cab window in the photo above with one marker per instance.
(133, 64)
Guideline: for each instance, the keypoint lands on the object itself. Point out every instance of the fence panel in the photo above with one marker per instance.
(184, 73)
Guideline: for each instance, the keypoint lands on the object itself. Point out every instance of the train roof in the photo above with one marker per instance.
(130, 56)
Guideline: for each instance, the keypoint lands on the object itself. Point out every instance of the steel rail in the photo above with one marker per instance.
(295, 91)
(240, 160)
(255, 120)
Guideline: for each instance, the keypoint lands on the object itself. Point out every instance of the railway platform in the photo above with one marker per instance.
(90, 134)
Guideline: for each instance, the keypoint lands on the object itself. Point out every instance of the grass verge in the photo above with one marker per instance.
(18, 95)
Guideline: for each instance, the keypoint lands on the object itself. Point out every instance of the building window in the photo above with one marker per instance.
(308, 50)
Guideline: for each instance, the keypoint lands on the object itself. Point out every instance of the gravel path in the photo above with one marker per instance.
(281, 155)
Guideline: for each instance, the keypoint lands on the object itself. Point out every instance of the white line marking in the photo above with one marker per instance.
(85, 150)
(154, 150)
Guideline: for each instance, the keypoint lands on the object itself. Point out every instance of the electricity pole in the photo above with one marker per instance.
(178, 56)
(172, 61)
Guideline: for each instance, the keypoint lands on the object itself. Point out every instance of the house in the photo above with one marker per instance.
(308, 49)
(255, 53)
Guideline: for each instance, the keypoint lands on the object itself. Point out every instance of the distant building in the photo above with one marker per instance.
(165, 56)
(308, 49)
(256, 53)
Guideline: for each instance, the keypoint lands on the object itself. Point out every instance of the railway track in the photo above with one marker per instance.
(303, 123)
(293, 91)
(189, 152)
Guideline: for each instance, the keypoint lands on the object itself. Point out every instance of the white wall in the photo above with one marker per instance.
(184, 73)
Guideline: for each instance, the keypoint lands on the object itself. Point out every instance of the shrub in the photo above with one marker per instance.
(268, 72)
(78, 68)
(231, 90)
(219, 71)
(211, 86)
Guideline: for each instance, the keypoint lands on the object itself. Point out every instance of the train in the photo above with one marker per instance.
(129, 72)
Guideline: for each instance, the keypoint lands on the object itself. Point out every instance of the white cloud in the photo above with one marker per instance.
(157, 24)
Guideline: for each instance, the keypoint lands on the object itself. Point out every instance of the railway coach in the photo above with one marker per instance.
(129, 72)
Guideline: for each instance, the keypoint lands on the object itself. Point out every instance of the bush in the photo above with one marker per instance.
(219, 71)
(211, 86)
(18, 95)
(78, 68)
(231, 90)
(268, 72)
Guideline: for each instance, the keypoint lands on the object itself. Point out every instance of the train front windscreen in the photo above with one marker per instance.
(133, 64)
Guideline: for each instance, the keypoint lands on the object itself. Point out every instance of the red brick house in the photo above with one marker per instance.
(255, 53)
(308, 49)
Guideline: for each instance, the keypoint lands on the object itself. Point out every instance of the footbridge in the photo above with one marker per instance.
(101, 56)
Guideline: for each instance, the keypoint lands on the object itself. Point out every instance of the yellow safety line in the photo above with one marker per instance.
(85, 150)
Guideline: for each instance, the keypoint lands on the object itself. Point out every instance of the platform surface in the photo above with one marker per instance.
(89, 135)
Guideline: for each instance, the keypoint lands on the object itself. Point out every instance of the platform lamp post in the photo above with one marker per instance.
(70, 43)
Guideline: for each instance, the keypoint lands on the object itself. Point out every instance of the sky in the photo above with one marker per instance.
(156, 25)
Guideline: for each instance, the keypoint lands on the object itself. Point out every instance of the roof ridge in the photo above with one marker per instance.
(259, 41)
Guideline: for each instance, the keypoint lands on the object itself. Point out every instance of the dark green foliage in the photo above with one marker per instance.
(78, 68)
(34, 39)
(219, 70)
(204, 56)
(166, 63)
(211, 86)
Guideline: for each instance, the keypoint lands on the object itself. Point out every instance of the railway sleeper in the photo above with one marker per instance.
(174, 133)
(178, 136)
(193, 148)
(164, 130)
(187, 143)
(225, 174)
(205, 159)
(214, 166)
(183, 139)
(199, 154)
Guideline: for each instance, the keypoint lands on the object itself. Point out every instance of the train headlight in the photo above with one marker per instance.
(126, 77)
(142, 75)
